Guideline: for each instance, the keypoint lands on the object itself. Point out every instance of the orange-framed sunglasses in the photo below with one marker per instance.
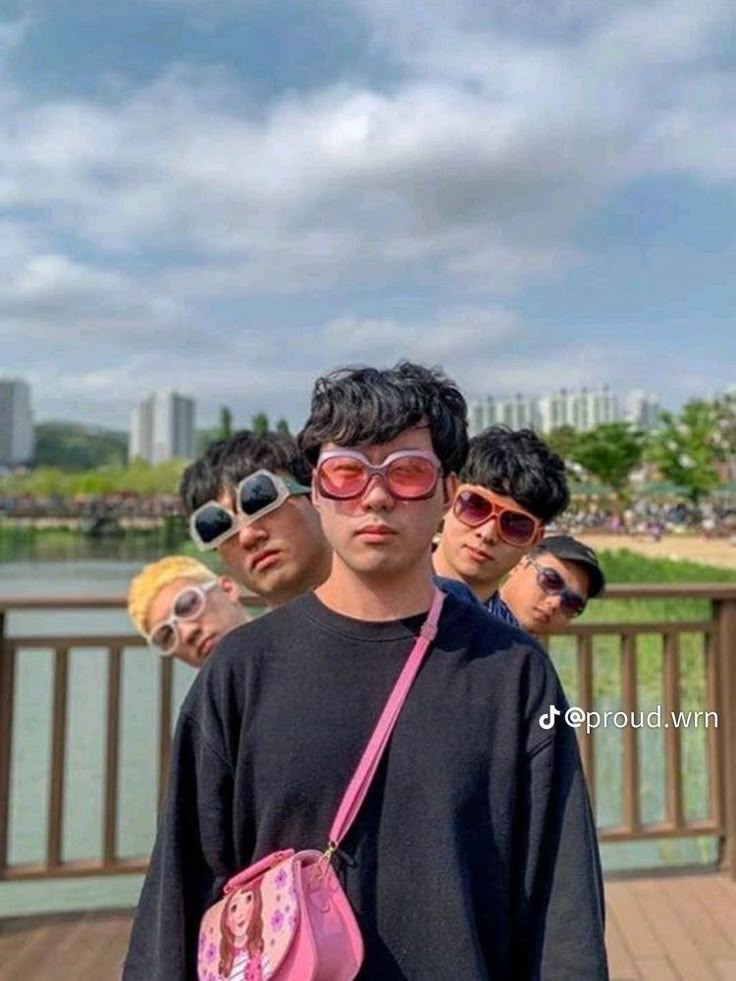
(474, 507)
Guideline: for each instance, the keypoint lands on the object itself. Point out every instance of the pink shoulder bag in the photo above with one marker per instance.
(287, 917)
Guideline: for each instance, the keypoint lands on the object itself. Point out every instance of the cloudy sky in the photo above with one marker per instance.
(230, 197)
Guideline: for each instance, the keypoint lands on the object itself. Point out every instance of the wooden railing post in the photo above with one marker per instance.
(166, 687)
(725, 619)
(7, 694)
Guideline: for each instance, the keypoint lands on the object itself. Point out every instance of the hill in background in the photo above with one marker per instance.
(74, 446)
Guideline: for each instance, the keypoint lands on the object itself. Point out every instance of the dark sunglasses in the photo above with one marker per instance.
(189, 603)
(474, 508)
(551, 583)
(255, 496)
(409, 475)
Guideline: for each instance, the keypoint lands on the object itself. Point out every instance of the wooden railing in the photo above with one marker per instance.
(60, 646)
(719, 639)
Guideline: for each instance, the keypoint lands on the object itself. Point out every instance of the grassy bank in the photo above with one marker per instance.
(623, 566)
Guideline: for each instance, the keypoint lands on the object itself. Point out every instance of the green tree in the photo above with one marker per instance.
(610, 452)
(687, 448)
(203, 438)
(561, 441)
(259, 423)
(226, 423)
(282, 426)
(725, 407)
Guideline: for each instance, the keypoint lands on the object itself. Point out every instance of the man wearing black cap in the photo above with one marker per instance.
(552, 584)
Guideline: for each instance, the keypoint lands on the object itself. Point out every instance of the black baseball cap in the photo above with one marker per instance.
(571, 550)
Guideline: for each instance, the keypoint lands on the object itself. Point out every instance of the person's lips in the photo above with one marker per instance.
(478, 555)
(205, 646)
(264, 559)
(541, 616)
(375, 533)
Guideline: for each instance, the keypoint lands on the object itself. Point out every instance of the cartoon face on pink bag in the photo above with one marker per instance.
(245, 936)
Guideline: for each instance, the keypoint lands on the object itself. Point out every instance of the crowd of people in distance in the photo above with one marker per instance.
(480, 822)
(646, 517)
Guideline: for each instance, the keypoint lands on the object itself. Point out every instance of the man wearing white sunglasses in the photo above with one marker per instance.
(183, 609)
(248, 498)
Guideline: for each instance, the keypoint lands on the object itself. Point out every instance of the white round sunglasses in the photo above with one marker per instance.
(188, 604)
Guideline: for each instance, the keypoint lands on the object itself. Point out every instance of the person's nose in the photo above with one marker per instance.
(377, 496)
(488, 531)
(189, 630)
(252, 535)
(553, 602)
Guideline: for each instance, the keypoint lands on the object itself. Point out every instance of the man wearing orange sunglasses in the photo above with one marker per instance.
(511, 486)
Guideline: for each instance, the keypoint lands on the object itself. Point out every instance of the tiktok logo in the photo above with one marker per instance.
(547, 721)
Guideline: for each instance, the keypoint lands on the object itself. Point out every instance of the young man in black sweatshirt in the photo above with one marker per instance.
(474, 854)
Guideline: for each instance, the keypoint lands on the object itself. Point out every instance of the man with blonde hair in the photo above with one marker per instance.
(183, 609)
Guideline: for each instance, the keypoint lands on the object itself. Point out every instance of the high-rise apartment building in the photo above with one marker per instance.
(641, 409)
(162, 427)
(16, 422)
(582, 409)
(516, 413)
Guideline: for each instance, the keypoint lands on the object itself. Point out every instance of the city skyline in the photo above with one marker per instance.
(232, 199)
(544, 410)
(582, 409)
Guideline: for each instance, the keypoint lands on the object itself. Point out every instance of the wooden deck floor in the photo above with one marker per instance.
(670, 928)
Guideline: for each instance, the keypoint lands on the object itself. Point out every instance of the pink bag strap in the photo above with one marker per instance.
(358, 787)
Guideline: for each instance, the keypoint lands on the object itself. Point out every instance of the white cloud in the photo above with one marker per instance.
(255, 368)
(453, 335)
(340, 184)
(49, 296)
(154, 213)
(337, 184)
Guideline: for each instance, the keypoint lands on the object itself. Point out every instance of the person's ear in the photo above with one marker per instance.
(539, 535)
(314, 495)
(449, 488)
(230, 588)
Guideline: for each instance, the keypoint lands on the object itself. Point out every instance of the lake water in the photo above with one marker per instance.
(137, 792)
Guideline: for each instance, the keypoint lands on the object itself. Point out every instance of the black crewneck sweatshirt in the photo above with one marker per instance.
(474, 855)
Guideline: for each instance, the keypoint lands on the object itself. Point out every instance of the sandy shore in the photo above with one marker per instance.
(710, 551)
